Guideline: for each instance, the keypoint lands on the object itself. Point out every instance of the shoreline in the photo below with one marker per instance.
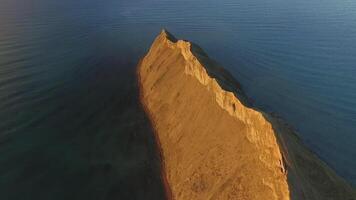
(158, 147)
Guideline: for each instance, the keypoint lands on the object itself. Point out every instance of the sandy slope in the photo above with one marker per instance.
(213, 145)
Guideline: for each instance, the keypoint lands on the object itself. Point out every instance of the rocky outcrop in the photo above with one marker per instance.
(213, 144)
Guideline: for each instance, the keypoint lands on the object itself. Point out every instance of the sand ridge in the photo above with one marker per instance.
(213, 145)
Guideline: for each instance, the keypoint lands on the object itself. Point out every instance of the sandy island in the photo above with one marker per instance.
(213, 143)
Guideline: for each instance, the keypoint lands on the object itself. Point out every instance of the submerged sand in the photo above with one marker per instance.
(214, 145)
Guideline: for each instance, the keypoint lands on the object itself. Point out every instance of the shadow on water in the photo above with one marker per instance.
(94, 142)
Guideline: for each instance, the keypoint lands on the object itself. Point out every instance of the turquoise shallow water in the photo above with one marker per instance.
(66, 69)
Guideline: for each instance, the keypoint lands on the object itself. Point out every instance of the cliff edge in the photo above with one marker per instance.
(213, 144)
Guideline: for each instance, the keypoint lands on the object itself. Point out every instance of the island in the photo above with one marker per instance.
(213, 143)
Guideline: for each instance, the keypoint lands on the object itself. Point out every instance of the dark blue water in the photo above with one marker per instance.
(67, 68)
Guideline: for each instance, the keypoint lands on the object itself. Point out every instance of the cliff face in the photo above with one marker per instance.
(213, 145)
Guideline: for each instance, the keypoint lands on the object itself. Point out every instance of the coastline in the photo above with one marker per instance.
(307, 167)
(158, 147)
